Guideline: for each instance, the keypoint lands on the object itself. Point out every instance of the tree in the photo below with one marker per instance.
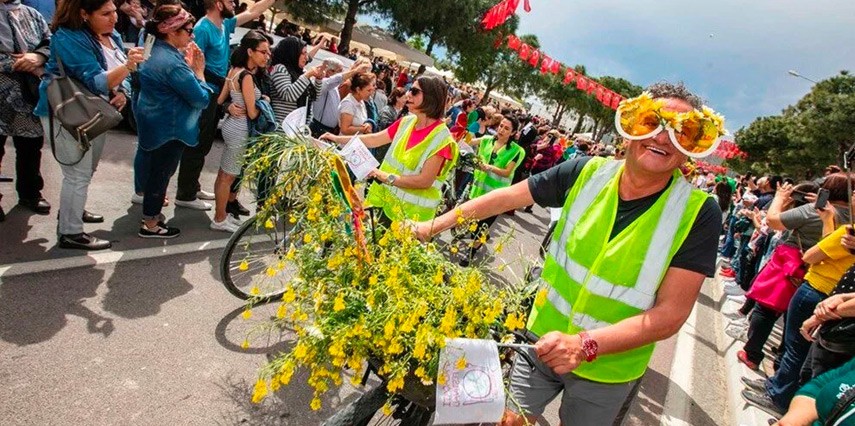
(319, 11)
(444, 22)
(806, 137)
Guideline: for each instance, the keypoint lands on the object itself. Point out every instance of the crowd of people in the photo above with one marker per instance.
(786, 245)
(787, 251)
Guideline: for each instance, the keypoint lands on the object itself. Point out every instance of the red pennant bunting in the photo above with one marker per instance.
(607, 99)
(514, 42)
(498, 14)
(569, 76)
(534, 58)
(545, 64)
(556, 67)
(581, 83)
(525, 51)
(616, 101)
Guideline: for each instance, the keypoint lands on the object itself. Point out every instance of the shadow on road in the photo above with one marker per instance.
(33, 313)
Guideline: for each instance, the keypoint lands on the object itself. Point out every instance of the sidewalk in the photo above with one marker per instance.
(28, 237)
(742, 413)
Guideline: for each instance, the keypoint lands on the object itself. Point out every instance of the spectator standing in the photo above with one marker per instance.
(352, 111)
(380, 99)
(292, 85)
(211, 34)
(325, 108)
(249, 58)
(92, 53)
(394, 108)
(24, 49)
(171, 98)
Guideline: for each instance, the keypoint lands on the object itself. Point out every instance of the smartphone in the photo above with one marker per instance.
(821, 199)
(149, 43)
(798, 197)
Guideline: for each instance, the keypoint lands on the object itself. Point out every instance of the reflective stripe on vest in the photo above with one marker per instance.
(643, 294)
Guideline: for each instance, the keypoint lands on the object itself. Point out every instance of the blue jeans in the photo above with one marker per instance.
(141, 165)
(783, 385)
(162, 163)
(729, 243)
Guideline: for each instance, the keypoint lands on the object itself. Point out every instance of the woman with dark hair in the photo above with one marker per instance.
(394, 107)
(292, 86)
(421, 154)
(353, 115)
(723, 194)
(92, 53)
(500, 156)
(24, 49)
(249, 58)
(172, 96)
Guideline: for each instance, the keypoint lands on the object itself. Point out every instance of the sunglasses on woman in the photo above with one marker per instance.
(415, 91)
(695, 133)
(188, 30)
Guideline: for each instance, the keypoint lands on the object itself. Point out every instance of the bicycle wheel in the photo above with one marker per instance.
(251, 250)
(547, 239)
(361, 410)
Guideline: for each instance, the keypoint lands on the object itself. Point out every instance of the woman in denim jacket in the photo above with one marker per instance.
(172, 95)
(92, 53)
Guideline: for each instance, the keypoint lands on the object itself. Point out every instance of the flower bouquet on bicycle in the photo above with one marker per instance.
(388, 305)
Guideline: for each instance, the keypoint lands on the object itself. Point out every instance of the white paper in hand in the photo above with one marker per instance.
(149, 43)
(295, 123)
(475, 393)
(359, 158)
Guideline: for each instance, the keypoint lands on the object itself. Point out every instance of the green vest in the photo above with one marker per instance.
(485, 181)
(415, 204)
(593, 282)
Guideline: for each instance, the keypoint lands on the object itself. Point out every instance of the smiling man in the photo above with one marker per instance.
(626, 262)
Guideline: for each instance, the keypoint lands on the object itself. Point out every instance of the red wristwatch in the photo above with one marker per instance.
(589, 346)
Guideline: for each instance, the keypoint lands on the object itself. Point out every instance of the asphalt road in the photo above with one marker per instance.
(146, 334)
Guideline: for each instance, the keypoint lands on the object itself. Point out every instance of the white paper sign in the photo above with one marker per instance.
(295, 123)
(474, 393)
(359, 158)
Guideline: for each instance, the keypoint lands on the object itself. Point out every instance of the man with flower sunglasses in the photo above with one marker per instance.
(626, 262)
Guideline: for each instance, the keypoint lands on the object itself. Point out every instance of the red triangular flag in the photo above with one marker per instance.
(569, 76)
(556, 67)
(527, 6)
(525, 51)
(514, 42)
(581, 83)
(545, 64)
(534, 58)
(616, 102)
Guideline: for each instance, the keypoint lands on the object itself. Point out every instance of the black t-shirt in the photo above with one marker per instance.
(698, 252)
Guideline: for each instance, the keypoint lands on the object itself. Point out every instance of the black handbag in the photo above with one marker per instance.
(838, 336)
(79, 111)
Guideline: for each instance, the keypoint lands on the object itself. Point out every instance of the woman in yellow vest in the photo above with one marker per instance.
(499, 157)
(418, 161)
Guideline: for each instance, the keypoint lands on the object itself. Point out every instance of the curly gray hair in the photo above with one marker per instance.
(664, 89)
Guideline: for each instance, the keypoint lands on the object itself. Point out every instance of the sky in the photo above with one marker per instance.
(734, 54)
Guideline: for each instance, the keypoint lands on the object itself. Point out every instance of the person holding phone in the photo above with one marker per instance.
(293, 86)
(809, 226)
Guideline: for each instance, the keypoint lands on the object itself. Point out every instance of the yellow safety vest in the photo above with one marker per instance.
(593, 282)
(485, 181)
(414, 204)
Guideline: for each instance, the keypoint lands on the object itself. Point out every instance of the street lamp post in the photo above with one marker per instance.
(795, 73)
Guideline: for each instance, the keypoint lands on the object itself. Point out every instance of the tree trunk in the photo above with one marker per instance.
(559, 113)
(490, 86)
(430, 45)
(578, 125)
(594, 130)
(347, 30)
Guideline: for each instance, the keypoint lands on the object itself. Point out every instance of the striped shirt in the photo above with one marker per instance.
(286, 92)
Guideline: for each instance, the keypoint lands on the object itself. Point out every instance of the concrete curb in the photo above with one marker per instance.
(741, 413)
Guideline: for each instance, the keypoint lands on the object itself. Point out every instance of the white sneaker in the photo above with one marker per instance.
(225, 226)
(735, 315)
(204, 195)
(733, 290)
(196, 204)
(737, 332)
(234, 220)
(737, 299)
(136, 198)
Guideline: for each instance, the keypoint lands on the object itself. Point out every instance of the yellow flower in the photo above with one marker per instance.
(499, 248)
(438, 277)
(540, 299)
(387, 408)
(243, 266)
(292, 220)
(473, 226)
(396, 383)
(271, 272)
(259, 392)
(245, 344)
(307, 238)
(440, 379)
(339, 303)
(247, 314)
(461, 363)
(282, 311)
(514, 322)
(269, 224)
(389, 329)
(292, 252)
(316, 404)
(372, 280)
(254, 291)
(289, 295)
(453, 250)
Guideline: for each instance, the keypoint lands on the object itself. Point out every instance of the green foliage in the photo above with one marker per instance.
(315, 12)
(807, 136)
